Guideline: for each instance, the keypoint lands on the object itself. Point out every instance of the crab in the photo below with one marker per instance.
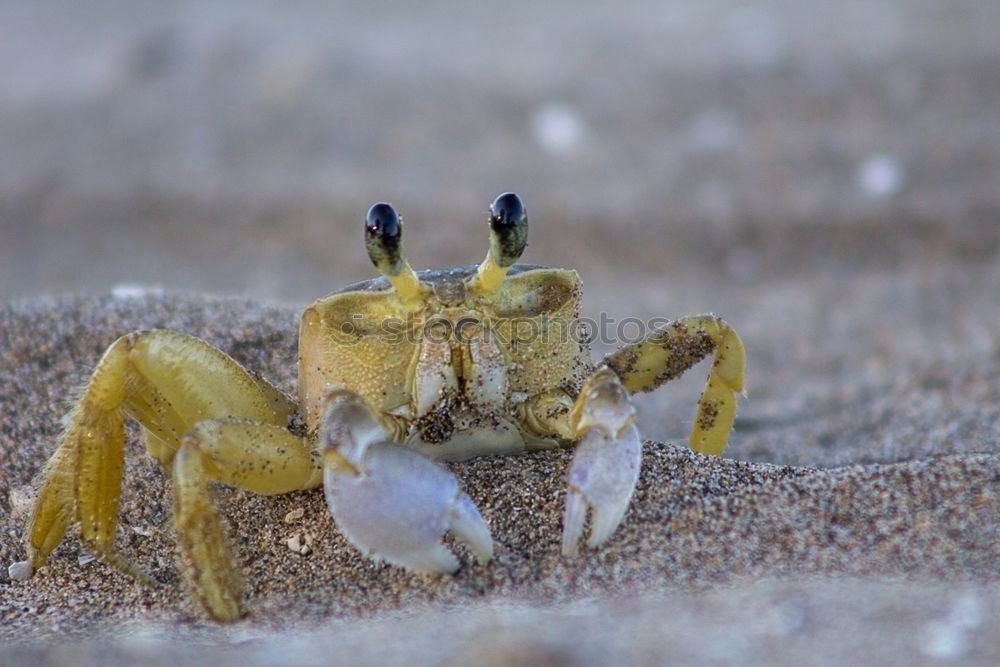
(396, 374)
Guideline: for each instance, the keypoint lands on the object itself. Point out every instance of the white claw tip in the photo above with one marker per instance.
(467, 525)
(20, 570)
(573, 520)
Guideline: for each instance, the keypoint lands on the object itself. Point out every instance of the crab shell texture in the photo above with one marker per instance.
(367, 339)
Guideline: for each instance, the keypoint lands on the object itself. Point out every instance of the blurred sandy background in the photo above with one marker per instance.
(730, 157)
(233, 147)
(825, 175)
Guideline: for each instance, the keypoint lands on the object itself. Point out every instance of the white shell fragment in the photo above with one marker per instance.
(401, 505)
(19, 571)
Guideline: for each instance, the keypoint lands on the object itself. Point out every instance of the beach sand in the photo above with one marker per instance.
(822, 175)
(887, 547)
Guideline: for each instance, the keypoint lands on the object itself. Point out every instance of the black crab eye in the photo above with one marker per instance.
(508, 229)
(384, 238)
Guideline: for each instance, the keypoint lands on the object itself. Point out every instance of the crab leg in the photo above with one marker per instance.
(257, 457)
(667, 352)
(605, 465)
(390, 501)
(168, 382)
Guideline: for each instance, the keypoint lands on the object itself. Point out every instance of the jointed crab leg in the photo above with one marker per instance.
(605, 466)
(263, 458)
(168, 382)
(666, 353)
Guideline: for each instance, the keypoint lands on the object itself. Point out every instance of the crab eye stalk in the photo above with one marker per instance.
(508, 229)
(508, 237)
(384, 239)
(384, 242)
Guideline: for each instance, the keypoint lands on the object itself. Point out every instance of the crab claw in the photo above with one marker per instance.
(391, 502)
(605, 466)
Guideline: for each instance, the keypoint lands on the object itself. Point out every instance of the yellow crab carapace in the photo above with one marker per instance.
(394, 373)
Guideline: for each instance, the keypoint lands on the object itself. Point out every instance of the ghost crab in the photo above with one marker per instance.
(393, 373)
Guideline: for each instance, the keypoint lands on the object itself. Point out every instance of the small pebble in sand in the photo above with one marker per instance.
(300, 543)
(21, 500)
(295, 515)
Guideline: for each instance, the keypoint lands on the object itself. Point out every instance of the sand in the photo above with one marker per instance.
(823, 175)
(888, 548)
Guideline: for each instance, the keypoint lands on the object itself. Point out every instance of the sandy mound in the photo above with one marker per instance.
(718, 558)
